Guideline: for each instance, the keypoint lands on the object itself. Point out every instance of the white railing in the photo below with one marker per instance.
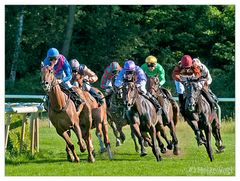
(24, 109)
(42, 96)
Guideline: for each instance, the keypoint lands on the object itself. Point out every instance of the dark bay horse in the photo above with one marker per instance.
(63, 114)
(116, 116)
(200, 117)
(142, 117)
(170, 111)
(99, 116)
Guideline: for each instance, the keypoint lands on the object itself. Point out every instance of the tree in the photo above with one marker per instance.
(70, 23)
(12, 77)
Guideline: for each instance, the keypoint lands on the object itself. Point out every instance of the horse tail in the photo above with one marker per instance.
(176, 111)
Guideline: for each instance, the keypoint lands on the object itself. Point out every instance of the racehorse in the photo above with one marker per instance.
(99, 116)
(117, 118)
(63, 115)
(170, 114)
(142, 117)
(198, 113)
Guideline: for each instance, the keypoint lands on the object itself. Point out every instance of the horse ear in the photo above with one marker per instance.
(42, 64)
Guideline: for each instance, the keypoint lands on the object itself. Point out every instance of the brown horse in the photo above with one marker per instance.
(170, 113)
(200, 116)
(63, 115)
(142, 117)
(99, 116)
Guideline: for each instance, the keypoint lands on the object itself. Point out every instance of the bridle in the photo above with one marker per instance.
(48, 83)
(129, 89)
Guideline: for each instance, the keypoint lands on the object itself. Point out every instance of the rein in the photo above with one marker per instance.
(53, 85)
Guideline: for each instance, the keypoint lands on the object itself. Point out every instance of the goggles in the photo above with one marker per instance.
(52, 58)
(151, 64)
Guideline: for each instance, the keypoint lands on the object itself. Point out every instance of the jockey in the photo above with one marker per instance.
(88, 77)
(110, 72)
(62, 72)
(189, 67)
(151, 69)
(129, 70)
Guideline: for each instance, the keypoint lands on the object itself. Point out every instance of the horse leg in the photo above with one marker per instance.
(122, 135)
(164, 135)
(155, 150)
(135, 141)
(176, 112)
(174, 137)
(70, 157)
(106, 138)
(194, 125)
(70, 146)
(99, 136)
(207, 131)
(160, 143)
(87, 135)
(81, 142)
(115, 131)
(135, 129)
(217, 135)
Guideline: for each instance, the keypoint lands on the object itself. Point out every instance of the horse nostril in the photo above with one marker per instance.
(128, 104)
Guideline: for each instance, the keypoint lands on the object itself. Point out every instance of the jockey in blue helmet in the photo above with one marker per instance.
(63, 72)
(128, 72)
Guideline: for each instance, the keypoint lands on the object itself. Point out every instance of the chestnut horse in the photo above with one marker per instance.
(99, 116)
(170, 113)
(63, 115)
(200, 116)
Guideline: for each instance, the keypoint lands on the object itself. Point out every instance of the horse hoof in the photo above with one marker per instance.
(143, 154)
(169, 147)
(93, 152)
(77, 160)
(91, 159)
(159, 159)
(175, 151)
(163, 150)
(83, 146)
(137, 150)
(122, 137)
(220, 149)
(145, 144)
(118, 142)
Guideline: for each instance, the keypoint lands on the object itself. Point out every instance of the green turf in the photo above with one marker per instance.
(192, 161)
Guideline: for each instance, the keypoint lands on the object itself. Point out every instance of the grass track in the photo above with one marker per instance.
(192, 161)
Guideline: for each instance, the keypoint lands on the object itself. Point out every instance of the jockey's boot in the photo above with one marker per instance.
(181, 103)
(76, 98)
(108, 101)
(209, 98)
(97, 96)
(168, 96)
(214, 98)
(155, 102)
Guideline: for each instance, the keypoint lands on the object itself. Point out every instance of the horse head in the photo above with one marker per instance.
(129, 94)
(47, 78)
(192, 93)
(153, 84)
